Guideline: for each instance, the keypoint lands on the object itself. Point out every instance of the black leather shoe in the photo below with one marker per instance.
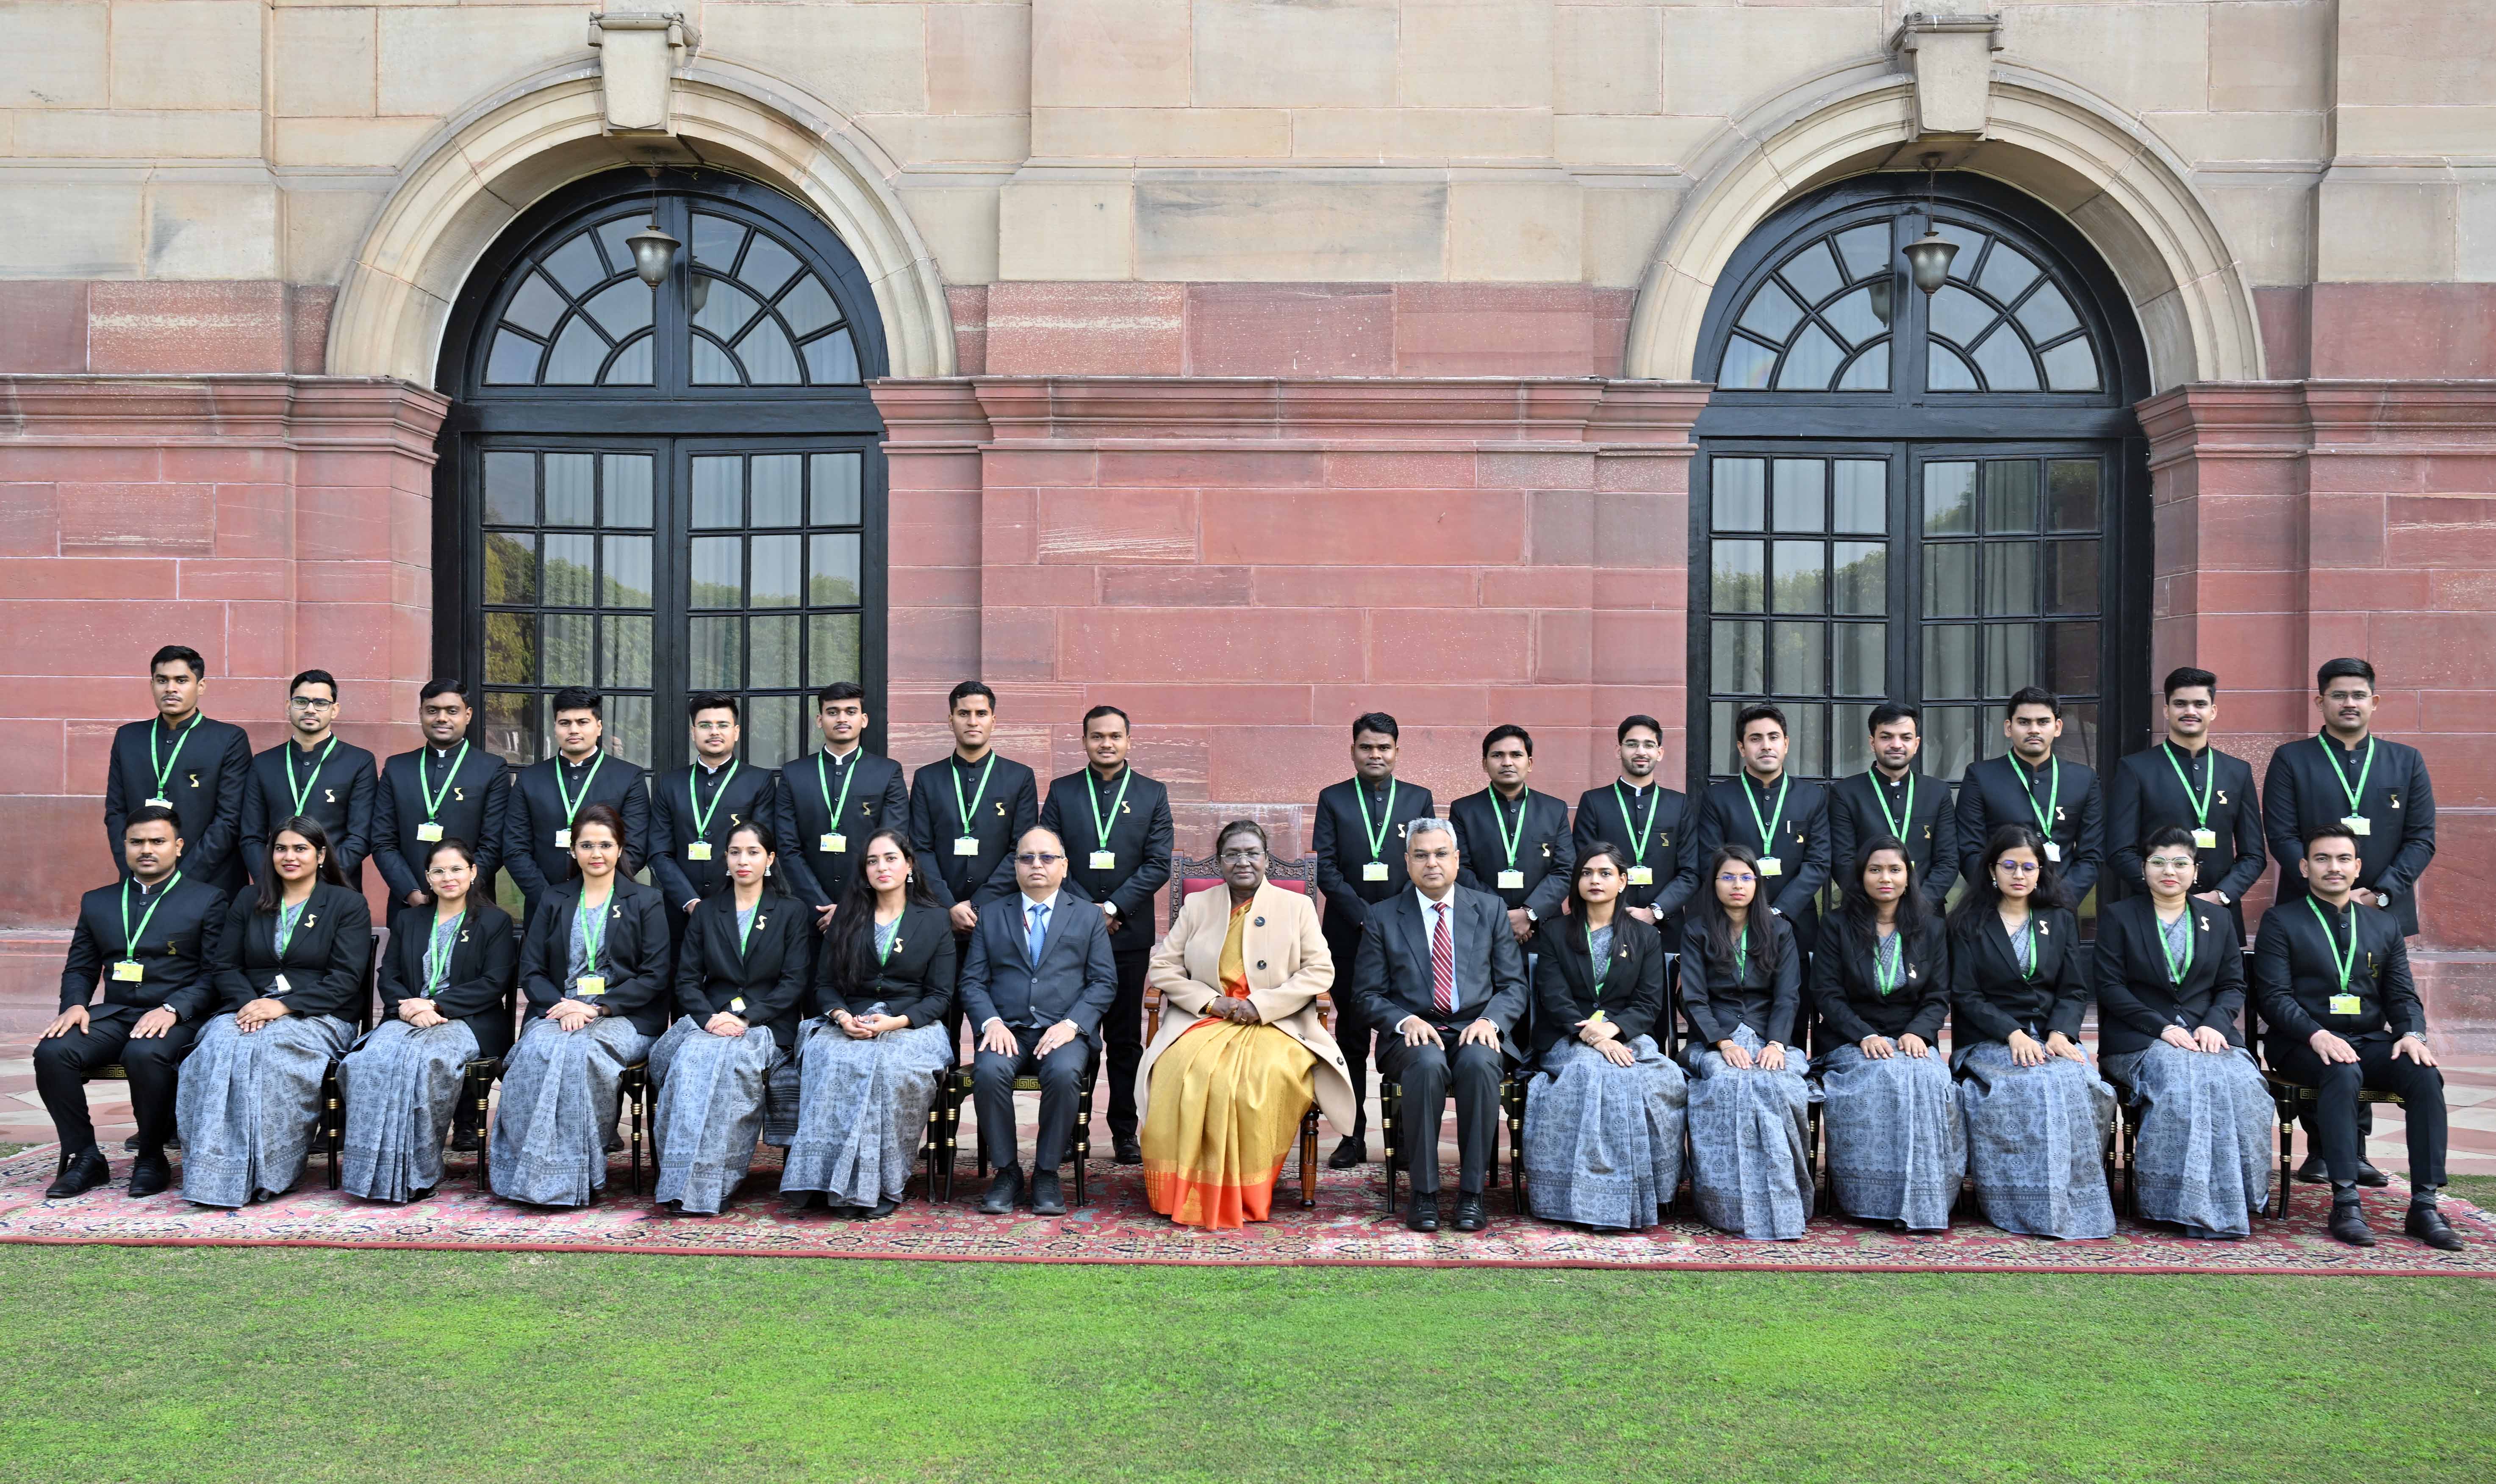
(1004, 1191)
(882, 1209)
(466, 1137)
(2348, 1224)
(84, 1173)
(1349, 1153)
(1470, 1215)
(151, 1175)
(1048, 1196)
(2370, 1177)
(1126, 1149)
(1423, 1215)
(2428, 1226)
(2315, 1172)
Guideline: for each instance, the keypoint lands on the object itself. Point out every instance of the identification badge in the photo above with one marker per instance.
(2054, 852)
(2346, 1005)
(563, 839)
(1375, 871)
(277, 985)
(966, 845)
(736, 1007)
(2206, 839)
(1641, 876)
(1770, 865)
(2358, 825)
(1104, 860)
(129, 972)
(589, 986)
(834, 844)
(429, 832)
(1511, 880)
(697, 849)
(159, 802)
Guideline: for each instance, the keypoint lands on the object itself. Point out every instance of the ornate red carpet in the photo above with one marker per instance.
(1347, 1226)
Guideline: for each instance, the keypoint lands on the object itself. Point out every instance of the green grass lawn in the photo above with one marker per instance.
(208, 1364)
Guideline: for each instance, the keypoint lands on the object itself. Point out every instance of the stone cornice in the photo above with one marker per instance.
(269, 409)
(2286, 419)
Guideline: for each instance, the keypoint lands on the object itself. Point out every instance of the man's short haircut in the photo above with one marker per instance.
(841, 690)
(1757, 712)
(711, 701)
(150, 813)
(314, 677)
(183, 652)
(1889, 711)
(1377, 722)
(2321, 832)
(577, 697)
(966, 689)
(1097, 712)
(2341, 670)
(443, 686)
(1420, 827)
(2185, 677)
(2032, 696)
(1503, 732)
(1629, 724)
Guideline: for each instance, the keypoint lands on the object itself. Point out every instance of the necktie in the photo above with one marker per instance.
(1443, 964)
(1039, 931)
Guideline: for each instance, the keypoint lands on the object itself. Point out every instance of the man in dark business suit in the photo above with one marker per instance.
(693, 807)
(2034, 789)
(1359, 839)
(1441, 977)
(2189, 784)
(1038, 977)
(967, 811)
(1648, 819)
(831, 802)
(1892, 799)
(1783, 821)
(314, 773)
(445, 789)
(184, 761)
(1121, 822)
(548, 794)
(2347, 775)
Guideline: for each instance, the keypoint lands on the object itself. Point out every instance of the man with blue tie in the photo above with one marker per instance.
(1037, 980)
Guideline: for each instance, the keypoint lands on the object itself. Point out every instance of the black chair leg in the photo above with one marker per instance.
(1083, 1142)
(1390, 1107)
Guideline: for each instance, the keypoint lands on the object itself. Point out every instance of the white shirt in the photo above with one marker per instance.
(1429, 932)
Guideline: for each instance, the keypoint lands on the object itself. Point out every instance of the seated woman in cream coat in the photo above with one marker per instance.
(1241, 1052)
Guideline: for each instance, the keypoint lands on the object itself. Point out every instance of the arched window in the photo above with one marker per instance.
(662, 491)
(1929, 500)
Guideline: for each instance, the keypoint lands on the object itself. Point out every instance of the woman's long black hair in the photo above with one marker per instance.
(1717, 929)
(271, 890)
(614, 819)
(1982, 897)
(1620, 860)
(851, 943)
(773, 883)
(1861, 916)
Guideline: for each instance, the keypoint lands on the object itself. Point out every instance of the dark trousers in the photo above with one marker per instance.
(1351, 1032)
(2333, 1125)
(1122, 1031)
(1061, 1082)
(64, 1064)
(1427, 1073)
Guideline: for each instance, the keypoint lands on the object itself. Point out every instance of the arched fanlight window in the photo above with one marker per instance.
(2000, 324)
(1821, 321)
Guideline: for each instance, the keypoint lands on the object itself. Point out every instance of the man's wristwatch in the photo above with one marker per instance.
(1529, 915)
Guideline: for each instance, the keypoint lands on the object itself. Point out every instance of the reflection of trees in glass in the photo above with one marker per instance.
(511, 569)
(511, 651)
(832, 593)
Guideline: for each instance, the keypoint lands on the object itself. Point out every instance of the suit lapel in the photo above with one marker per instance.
(1417, 936)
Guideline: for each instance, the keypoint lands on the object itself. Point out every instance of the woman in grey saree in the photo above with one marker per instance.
(1742, 990)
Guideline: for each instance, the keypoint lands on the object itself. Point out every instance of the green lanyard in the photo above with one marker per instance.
(849, 774)
(593, 930)
(1888, 968)
(2209, 779)
(2053, 793)
(966, 810)
(745, 925)
(1897, 826)
(1768, 830)
(2174, 970)
(1092, 795)
(1646, 832)
(570, 804)
(433, 797)
(886, 942)
(129, 939)
(2348, 961)
(287, 919)
(181, 738)
(303, 791)
(1742, 955)
(437, 958)
(1500, 818)
(702, 816)
(2356, 791)
(1377, 833)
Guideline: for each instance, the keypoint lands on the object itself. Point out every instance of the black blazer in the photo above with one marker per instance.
(1856, 820)
(1391, 971)
(999, 815)
(208, 766)
(1991, 998)
(636, 957)
(1848, 993)
(1077, 977)
(1564, 980)
(1801, 846)
(1666, 814)
(1141, 836)
(1336, 836)
(916, 983)
(1714, 1003)
(476, 804)
(480, 985)
(1995, 794)
(763, 984)
(2144, 798)
(808, 792)
(1544, 851)
(734, 794)
(177, 952)
(2303, 791)
(2137, 998)
(325, 963)
(341, 799)
(2297, 970)
(535, 813)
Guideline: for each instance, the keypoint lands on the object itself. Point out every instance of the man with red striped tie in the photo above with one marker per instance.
(1441, 977)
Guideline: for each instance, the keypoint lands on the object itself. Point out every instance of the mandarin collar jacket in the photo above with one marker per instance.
(2296, 973)
(2306, 786)
(476, 803)
(2138, 996)
(1660, 819)
(1545, 855)
(1142, 838)
(208, 770)
(478, 984)
(325, 965)
(810, 792)
(1857, 817)
(175, 952)
(336, 781)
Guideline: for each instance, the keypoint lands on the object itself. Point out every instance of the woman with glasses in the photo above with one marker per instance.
(2171, 986)
(1603, 1113)
(1742, 988)
(2037, 1113)
(290, 973)
(1897, 1144)
(1241, 1052)
(596, 966)
(747, 953)
(446, 984)
(871, 1064)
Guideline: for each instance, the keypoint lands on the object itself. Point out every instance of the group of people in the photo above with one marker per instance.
(816, 941)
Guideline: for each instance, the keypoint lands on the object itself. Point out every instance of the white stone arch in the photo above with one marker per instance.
(509, 150)
(2123, 190)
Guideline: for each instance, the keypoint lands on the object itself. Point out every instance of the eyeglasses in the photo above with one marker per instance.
(1241, 857)
(2017, 867)
(1042, 858)
(2171, 863)
(1737, 878)
(309, 703)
